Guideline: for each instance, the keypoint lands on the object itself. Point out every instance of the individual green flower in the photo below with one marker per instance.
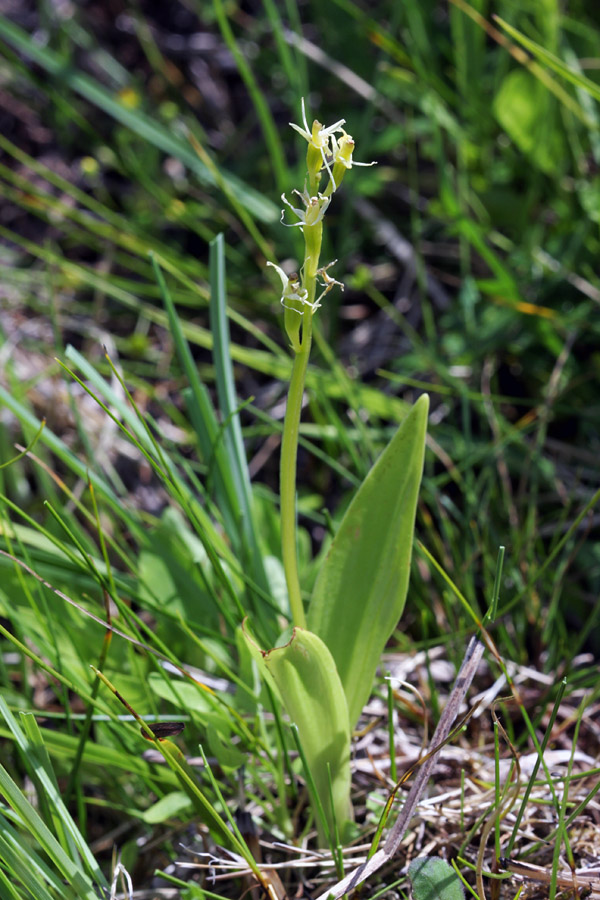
(315, 208)
(318, 145)
(294, 299)
(294, 296)
(341, 151)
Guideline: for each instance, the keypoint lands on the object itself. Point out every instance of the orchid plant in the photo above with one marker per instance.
(324, 672)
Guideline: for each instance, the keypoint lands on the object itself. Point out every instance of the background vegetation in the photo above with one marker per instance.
(469, 255)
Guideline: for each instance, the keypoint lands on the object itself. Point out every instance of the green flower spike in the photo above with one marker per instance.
(301, 298)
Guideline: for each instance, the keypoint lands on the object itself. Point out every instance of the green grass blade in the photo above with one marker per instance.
(36, 756)
(7, 888)
(204, 419)
(27, 868)
(33, 824)
(226, 392)
(229, 408)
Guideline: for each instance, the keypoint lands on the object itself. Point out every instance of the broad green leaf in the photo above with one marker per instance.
(360, 591)
(168, 807)
(526, 111)
(183, 695)
(174, 569)
(229, 758)
(306, 679)
(434, 879)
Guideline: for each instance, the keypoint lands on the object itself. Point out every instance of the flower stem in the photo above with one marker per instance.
(287, 477)
(313, 235)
